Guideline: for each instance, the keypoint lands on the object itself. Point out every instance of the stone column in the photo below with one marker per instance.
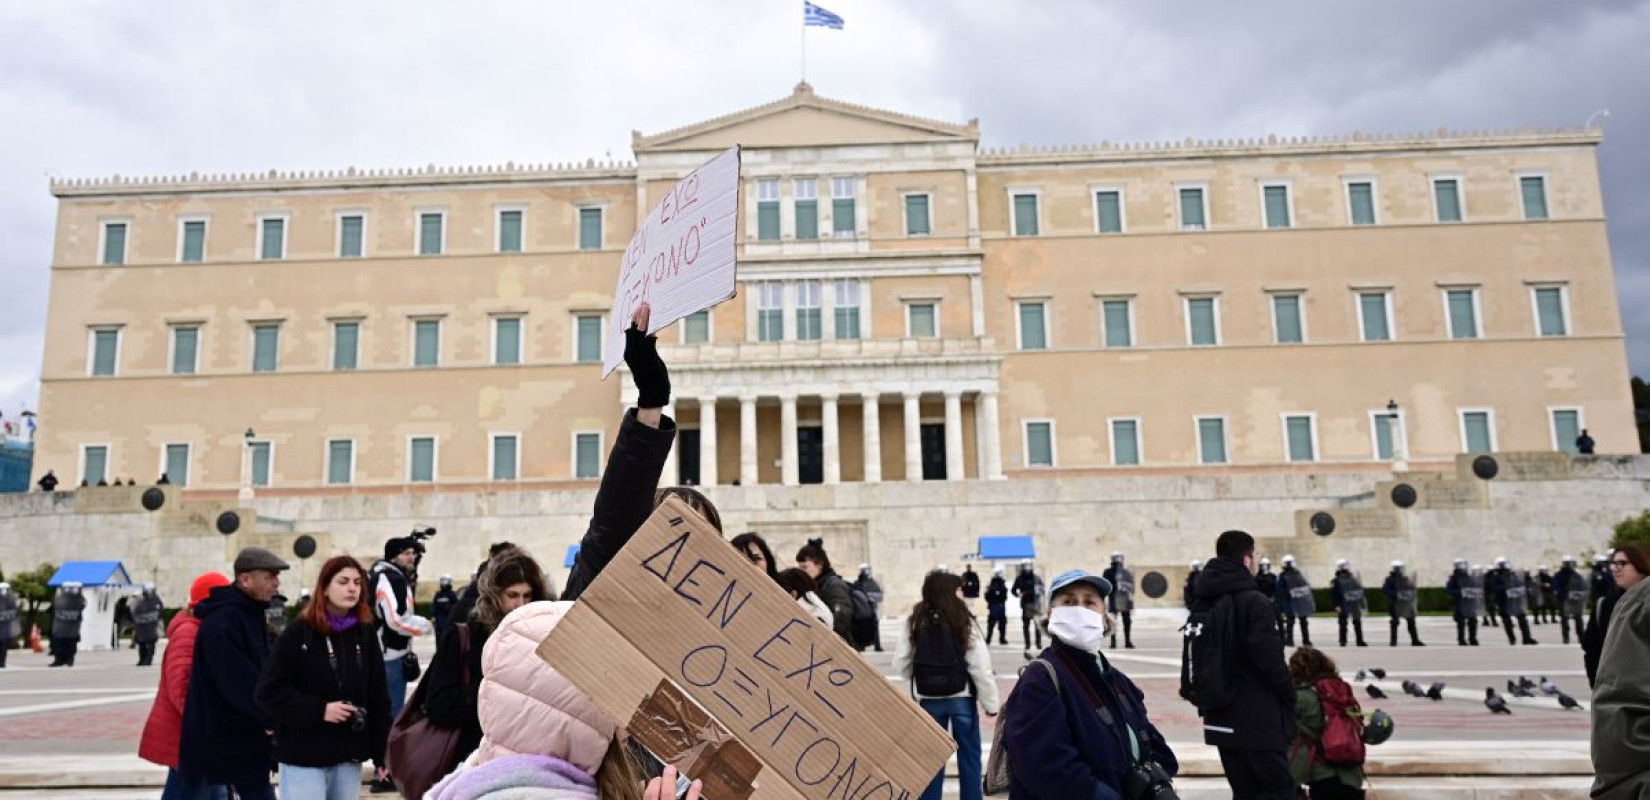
(989, 438)
(873, 438)
(672, 474)
(954, 469)
(913, 436)
(787, 444)
(707, 441)
(747, 440)
(833, 452)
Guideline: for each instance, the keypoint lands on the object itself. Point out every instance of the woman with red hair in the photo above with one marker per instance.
(324, 685)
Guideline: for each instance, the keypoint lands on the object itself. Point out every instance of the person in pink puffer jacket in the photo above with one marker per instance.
(542, 738)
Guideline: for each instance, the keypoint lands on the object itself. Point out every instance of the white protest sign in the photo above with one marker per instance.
(681, 259)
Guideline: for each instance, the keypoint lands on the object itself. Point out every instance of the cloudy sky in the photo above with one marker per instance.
(163, 87)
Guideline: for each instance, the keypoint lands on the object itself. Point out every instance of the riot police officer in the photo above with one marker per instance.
(146, 624)
(1188, 594)
(275, 615)
(1121, 601)
(1346, 593)
(1533, 597)
(1570, 589)
(1467, 590)
(68, 608)
(9, 625)
(1549, 599)
(441, 606)
(1300, 603)
(1507, 589)
(1399, 589)
(1603, 583)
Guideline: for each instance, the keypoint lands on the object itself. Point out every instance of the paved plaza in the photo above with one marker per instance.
(77, 729)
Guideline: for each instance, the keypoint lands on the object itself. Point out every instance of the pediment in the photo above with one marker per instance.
(806, 120)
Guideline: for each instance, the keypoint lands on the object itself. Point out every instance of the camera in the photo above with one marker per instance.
(1149, 781)
(358, 720)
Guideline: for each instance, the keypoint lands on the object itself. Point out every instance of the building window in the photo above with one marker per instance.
(1039, 443)
(770, 312)
(1202, 321)
(1478, 431)
(426, 342)
(1375, 316)
(587, 455)
(847, 308)
(1024, 207)
(506, 340)
(1194, 208)
(272, 238)
(105, 355)
(1533, 189)
(346, 345)
(1446, 194)
(509, 230)
(352, 235)
(1381, 427)
(192, 245)
(1108, 211)
(340, 461)
(432, 233)
(266, 347)
(1567, 426)
(1275, 198)
(1119, 323)
(1125, 442)
(176, 466)
(590, 228)
(1301, 437)
(1360, 202)
(589, 339)
(94, 464)
(808, 321)
(1287, 325)
(843, 225)
(767, 209)
(696, 328)
(1462, 305)
(421, 459)
(114, 243)
(263, 457)
(1552, 311)
(921, 321)
(1211, 440)
(506, 466)
(917, 222)
(1033, 318)
(185, 349)
(807, 208)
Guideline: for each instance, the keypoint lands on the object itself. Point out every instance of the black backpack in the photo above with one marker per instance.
(864, 609)
(938, 666)
(1205, 679)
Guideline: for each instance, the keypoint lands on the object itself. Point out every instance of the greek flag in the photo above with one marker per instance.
(815, 17)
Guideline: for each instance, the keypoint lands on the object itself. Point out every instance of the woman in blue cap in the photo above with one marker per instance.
(1075, 726)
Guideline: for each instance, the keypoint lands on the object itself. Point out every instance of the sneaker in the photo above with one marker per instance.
(383, 786)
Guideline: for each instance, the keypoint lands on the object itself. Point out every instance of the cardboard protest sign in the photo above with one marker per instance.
(715, 669)
(681, 259)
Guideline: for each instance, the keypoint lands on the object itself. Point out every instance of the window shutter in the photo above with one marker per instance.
(1550, 305)
(1277, 206)
(114, 243)
(1534, 189)
(1448, 194)
(1032, 327)
(194, 241)
(504, 458)
(1125, 442)
(1191, 210)
(345, 345)
(1362, 196)
(429, 234)
(509, 232)
(1463, 322)
(1477, 424)
(1374, 314)
(1117, 324)
(1025, 215)
(1300, 439)
(185, 346)
(916, 215)
(426, 343)
(266, 342)
(1287, 309)
(1211, 436)
(590, 339)
(590, 229)
(1039, 445)
(339, 456)
(350, 242)
(1108, 212)
(274, 246)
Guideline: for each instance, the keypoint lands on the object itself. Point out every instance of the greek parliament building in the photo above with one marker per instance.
(1110, 346)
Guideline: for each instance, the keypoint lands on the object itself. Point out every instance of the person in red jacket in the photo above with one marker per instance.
(164, 729)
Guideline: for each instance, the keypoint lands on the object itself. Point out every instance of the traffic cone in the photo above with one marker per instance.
(34, 639)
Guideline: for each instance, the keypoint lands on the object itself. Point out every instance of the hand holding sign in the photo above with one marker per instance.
(641, 353)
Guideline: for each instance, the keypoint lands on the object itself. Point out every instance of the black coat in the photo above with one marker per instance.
(971, 584)
(448, 700)
(996, 598)
(223, 728)
(833, 591)
(625, 499)
(298, 681)
(1262, 717)
(1592, 639)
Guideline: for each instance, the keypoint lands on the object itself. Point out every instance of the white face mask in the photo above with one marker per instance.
(1079, 627)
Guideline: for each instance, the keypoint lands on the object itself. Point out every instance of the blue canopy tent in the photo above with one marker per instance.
(102, 583)
(1007, 548)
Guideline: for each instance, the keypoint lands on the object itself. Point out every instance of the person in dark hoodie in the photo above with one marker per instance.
(996, 607)
(1254, 731)
(832, 588)
(225, 740)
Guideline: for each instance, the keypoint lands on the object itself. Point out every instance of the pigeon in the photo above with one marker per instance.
(1496, 704)
(1548, 687)
(1436, 691)
(1375, 692)
(1526, 682)
(1413, 689)
(1518, 691)
(1378, 672)
(1567, 701)
(1512, 688)
(1359, 678)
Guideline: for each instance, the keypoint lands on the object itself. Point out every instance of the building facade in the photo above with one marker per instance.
(910, 306)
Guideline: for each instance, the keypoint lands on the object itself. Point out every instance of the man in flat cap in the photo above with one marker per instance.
(226, 739)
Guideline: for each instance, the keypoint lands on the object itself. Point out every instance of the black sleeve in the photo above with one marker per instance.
(625, 498)
(1263, 649)
(279, 692)
(446, 698)
(378, 699)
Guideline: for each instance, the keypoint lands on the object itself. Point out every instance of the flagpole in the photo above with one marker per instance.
(804, 68)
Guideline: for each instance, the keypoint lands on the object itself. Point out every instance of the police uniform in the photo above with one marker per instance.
(1466, 589)
(1121, 600)
(1299, 603)
(1346, 593)
(1399, 589)
(1508, 590)
(1571, 592)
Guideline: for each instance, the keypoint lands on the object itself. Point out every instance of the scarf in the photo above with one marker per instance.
(519, 777)
(343, 623)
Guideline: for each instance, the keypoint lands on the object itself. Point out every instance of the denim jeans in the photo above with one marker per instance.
(179, 787)
(962, 718)
(397, 682)
(337, 782)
